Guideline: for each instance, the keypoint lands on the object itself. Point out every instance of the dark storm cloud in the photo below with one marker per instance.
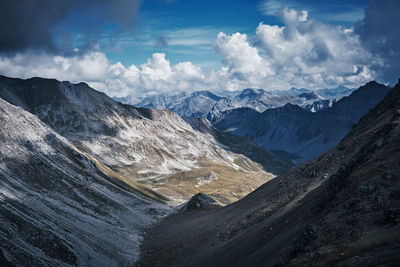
(380, 34)
(31, 24)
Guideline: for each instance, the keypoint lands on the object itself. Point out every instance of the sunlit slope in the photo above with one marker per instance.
(144, 145)
(57, 207)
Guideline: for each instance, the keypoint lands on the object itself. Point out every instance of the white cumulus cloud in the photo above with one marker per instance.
(302, 53)
(157, 75)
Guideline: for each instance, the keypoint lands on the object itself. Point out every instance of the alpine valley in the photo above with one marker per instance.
(339, 209)
(154, 148)
(171, 133)
(83, 176)
(297, 124)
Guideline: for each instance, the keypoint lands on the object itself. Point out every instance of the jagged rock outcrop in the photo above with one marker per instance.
(199, 201)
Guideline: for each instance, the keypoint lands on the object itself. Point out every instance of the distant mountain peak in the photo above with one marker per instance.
(293, 107)
(206, 94)
(249, 91)
(305, 133)
(309, 96)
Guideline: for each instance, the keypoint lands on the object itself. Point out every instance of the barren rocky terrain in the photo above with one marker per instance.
(155, 148)
(341, 208)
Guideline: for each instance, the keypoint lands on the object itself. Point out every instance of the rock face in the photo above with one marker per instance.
(199, 201)
(194, 105)
(320, 105)
(59, 207)
(335, 93)
(261, 100)
(272, 162)
(153, 147)
(297, 131)
(130, 100)
(339, 209)
(204, 104)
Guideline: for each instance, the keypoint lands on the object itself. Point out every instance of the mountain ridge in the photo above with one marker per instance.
(211, 105)
(152, 147)
(58, 207)
(300, 132)
(340, 208)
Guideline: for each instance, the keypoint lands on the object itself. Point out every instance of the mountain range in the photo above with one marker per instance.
(196, 104)
(299, 132)
(59, 207)
(201, 104)
(339, 209)
(156, 148)
(87, 180)
(82, 176)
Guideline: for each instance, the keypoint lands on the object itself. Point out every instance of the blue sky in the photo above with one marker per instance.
(190, 27)
(144, 47)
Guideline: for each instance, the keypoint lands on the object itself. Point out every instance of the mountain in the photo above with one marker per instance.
(261, 100)
(292, 91)
(222, 105)
(155, 148)
(340, 209)
(335, 93)
(309, 96)
(272, 162)
(59, 206)
(196, 104)
(202, 104)
(320, 105)
(160, 101)
(327, 93)
(294, 130)
(130, 100)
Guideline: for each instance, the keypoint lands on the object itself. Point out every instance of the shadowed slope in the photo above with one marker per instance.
(300, 132)
(341, 208)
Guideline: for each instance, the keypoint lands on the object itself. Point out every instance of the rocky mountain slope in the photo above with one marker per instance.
(342, 209)
(196, 104)
(320, 105)
(269, 161)
(59, 207)
(157, 148)
(130, 100)
(202, 104)
(297, 131)
(335, 93)
(261, 100)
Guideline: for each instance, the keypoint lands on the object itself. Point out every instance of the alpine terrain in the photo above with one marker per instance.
(199, 133)
(339, 209)
(202, 104)
(155, 148)
(297, 132)
(59, 207)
